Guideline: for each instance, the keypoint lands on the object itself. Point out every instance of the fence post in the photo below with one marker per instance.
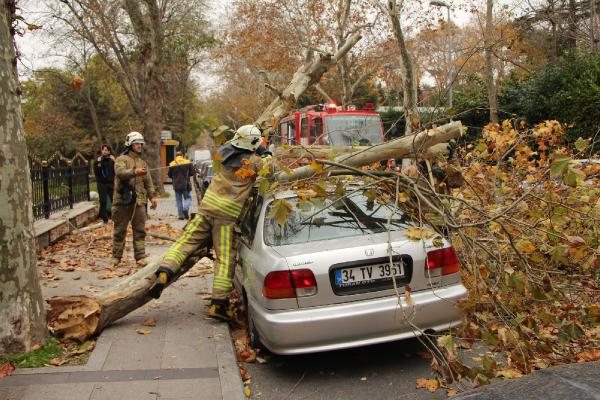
(87, 178)
(70, 182)
(46, 189)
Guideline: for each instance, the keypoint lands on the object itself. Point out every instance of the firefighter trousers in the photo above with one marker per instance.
(197, 234)
(122, 214)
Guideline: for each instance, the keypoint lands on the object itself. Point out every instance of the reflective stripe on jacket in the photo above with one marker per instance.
(227, 193)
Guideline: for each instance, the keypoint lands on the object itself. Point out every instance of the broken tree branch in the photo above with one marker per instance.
(408, 146)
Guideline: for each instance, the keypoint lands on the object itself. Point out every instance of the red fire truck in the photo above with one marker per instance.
(331, 125)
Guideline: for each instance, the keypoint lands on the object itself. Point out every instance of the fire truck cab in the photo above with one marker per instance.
(330, 125)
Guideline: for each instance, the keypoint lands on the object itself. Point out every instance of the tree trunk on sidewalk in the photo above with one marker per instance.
(22, 322)
(80, 317)
(489, 66)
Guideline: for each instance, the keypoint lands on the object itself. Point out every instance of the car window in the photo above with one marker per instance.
(332, 218)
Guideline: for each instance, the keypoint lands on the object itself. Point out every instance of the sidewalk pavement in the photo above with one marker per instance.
(185, 356)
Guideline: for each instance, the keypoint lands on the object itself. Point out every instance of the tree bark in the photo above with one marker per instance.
(93, 114)
(22, 321)
(489, 66)
(152, 125)
(409, 80)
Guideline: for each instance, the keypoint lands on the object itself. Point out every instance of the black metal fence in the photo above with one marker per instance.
(58, 183)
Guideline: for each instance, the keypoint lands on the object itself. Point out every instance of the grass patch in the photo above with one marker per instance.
(35, 358)
(51, 353)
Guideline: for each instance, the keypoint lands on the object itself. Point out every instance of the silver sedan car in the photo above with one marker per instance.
(334, 277)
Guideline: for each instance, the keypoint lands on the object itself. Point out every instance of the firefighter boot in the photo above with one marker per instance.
(163, 276)
(219, 309)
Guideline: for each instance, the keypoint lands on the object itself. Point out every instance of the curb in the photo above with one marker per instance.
(232, 387)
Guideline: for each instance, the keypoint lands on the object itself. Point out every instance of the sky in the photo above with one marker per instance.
(38, 50)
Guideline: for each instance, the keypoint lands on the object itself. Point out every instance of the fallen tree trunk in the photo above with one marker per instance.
(412, 146)
(80, 317)
(323, 151)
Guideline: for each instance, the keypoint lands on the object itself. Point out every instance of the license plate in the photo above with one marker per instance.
(360, 276)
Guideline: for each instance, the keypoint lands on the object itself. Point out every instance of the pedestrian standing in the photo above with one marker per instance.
(104, 169)
(180, 171)
(133, 189)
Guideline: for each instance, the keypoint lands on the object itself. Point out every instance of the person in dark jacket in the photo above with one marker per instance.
(104, 169)
(180, 171)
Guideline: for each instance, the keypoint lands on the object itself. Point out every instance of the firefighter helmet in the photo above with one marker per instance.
(134, 137)
(247, 137)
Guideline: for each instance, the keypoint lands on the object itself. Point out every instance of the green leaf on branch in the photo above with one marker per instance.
(560, 165)
(573, 177)
(582, 144)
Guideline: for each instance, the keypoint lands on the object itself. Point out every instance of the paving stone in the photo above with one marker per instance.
(64, 391)
(206, 389)
(144, 390)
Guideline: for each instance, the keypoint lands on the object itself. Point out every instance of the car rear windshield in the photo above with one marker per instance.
(331, 218)
(353, 130)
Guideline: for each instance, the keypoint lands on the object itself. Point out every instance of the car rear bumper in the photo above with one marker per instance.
(359, 323)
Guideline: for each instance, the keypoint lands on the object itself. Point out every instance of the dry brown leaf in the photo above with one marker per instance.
(430, 384)
(6, 369)
(589, 355)
(90, 288)
(143, 331)
(451, 392)
(150, 322)
(509, 373)
(244, 373)
(66, 268)
(58, 361)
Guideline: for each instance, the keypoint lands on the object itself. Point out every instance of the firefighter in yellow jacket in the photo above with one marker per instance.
(218, 213)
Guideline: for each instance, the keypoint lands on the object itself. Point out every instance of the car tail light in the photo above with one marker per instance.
(305, 282)
(445, 259)
(289, 284)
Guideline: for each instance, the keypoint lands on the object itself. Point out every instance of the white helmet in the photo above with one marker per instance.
(247, 137)
(134, 137)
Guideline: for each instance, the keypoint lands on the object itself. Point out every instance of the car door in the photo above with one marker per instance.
(246, 273)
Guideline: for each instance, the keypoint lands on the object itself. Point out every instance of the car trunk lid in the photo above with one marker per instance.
(357, 268)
